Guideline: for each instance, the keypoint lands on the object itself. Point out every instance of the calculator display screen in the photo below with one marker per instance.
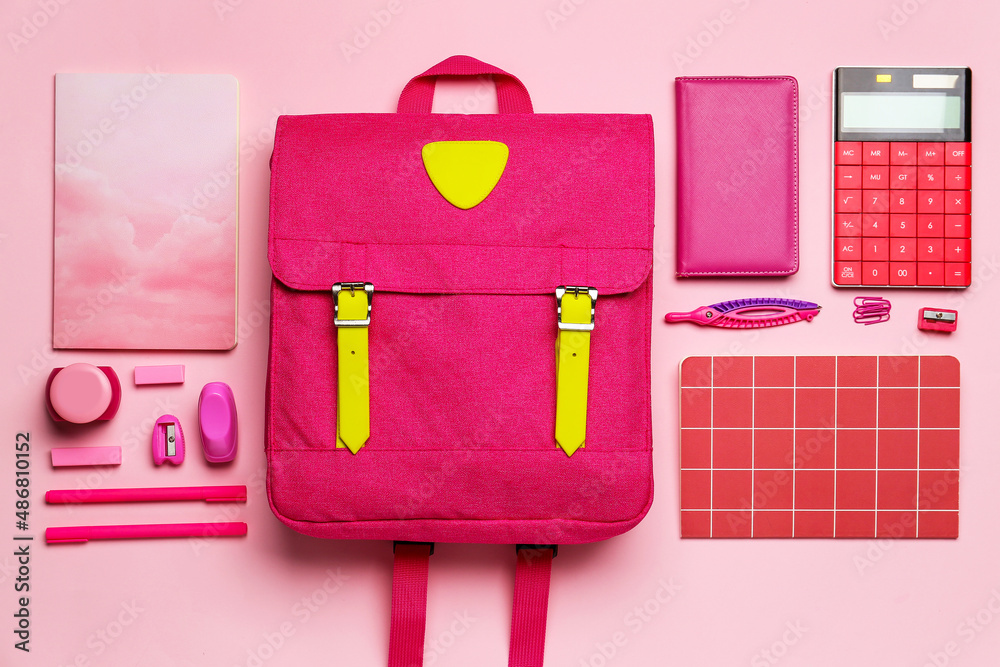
(900, 112)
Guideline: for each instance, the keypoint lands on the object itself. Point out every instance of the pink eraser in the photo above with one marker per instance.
(86, 456)
(159, 374)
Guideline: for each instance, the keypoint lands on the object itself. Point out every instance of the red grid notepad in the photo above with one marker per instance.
(819, 446)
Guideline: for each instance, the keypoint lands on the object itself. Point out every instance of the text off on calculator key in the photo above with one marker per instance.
(874, 273)
(958, 153)
(957, 275)
(903, 274)
(847, 273)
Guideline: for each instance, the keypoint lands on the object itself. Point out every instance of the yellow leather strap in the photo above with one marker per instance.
(576, 321)
(352, 315)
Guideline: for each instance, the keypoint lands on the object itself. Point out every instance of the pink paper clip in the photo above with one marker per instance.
(871, 310)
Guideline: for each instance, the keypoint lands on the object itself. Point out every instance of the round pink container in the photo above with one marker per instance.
(83, 393)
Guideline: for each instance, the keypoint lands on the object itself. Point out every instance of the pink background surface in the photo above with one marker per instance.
(184, 602)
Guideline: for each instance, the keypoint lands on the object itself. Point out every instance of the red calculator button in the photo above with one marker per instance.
(957, 275)
(930, 178)
(874, 250)
(902, 224)
(874, 273)
(956, 178)
(903, 250)
(875, 201)
(875, 224)
(848, 177)
(958, 202)
(930, 225)
(931, 201)
(847, 224)
(900, 201)
(930, 153)
(902, 152)
(875, 152)
(902, 273)
(847, 201)
(848, 152)
(874, 177)
(930, 273)
(958, 153)
(904, 178)
(847, 273)
(957, 226)
(956, 250)
(847, 249)
(930, 250)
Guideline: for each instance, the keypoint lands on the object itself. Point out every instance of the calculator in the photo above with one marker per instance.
(902, 167)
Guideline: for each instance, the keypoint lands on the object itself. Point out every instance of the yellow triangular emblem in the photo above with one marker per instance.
(465, 172)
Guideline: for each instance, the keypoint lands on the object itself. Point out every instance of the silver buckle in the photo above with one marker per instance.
(575, 291)
(339, 287)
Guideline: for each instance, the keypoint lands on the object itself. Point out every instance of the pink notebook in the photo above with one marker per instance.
(737, 176)
(146, 170)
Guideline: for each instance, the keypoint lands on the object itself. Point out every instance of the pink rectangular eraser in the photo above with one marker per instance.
(86, 456)
(159, 374)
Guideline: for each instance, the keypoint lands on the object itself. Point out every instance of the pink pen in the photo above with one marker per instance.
(68, 534)
(220, 494)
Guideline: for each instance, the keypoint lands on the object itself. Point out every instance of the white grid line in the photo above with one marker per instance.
(916, 528)
(836, 396)
(753, 435)
(877, 444)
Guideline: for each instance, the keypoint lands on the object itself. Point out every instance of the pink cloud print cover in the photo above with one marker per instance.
(737, 176)
(145, 211)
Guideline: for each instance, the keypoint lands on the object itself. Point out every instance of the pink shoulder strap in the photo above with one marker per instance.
(418, 95)
(409, 604)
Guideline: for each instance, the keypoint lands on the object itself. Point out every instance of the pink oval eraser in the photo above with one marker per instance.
(80, 393)
(217, 419)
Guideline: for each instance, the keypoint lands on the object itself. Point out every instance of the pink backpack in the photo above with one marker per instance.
(460, 327)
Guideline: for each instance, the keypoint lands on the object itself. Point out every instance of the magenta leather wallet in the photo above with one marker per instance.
(737, 176)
